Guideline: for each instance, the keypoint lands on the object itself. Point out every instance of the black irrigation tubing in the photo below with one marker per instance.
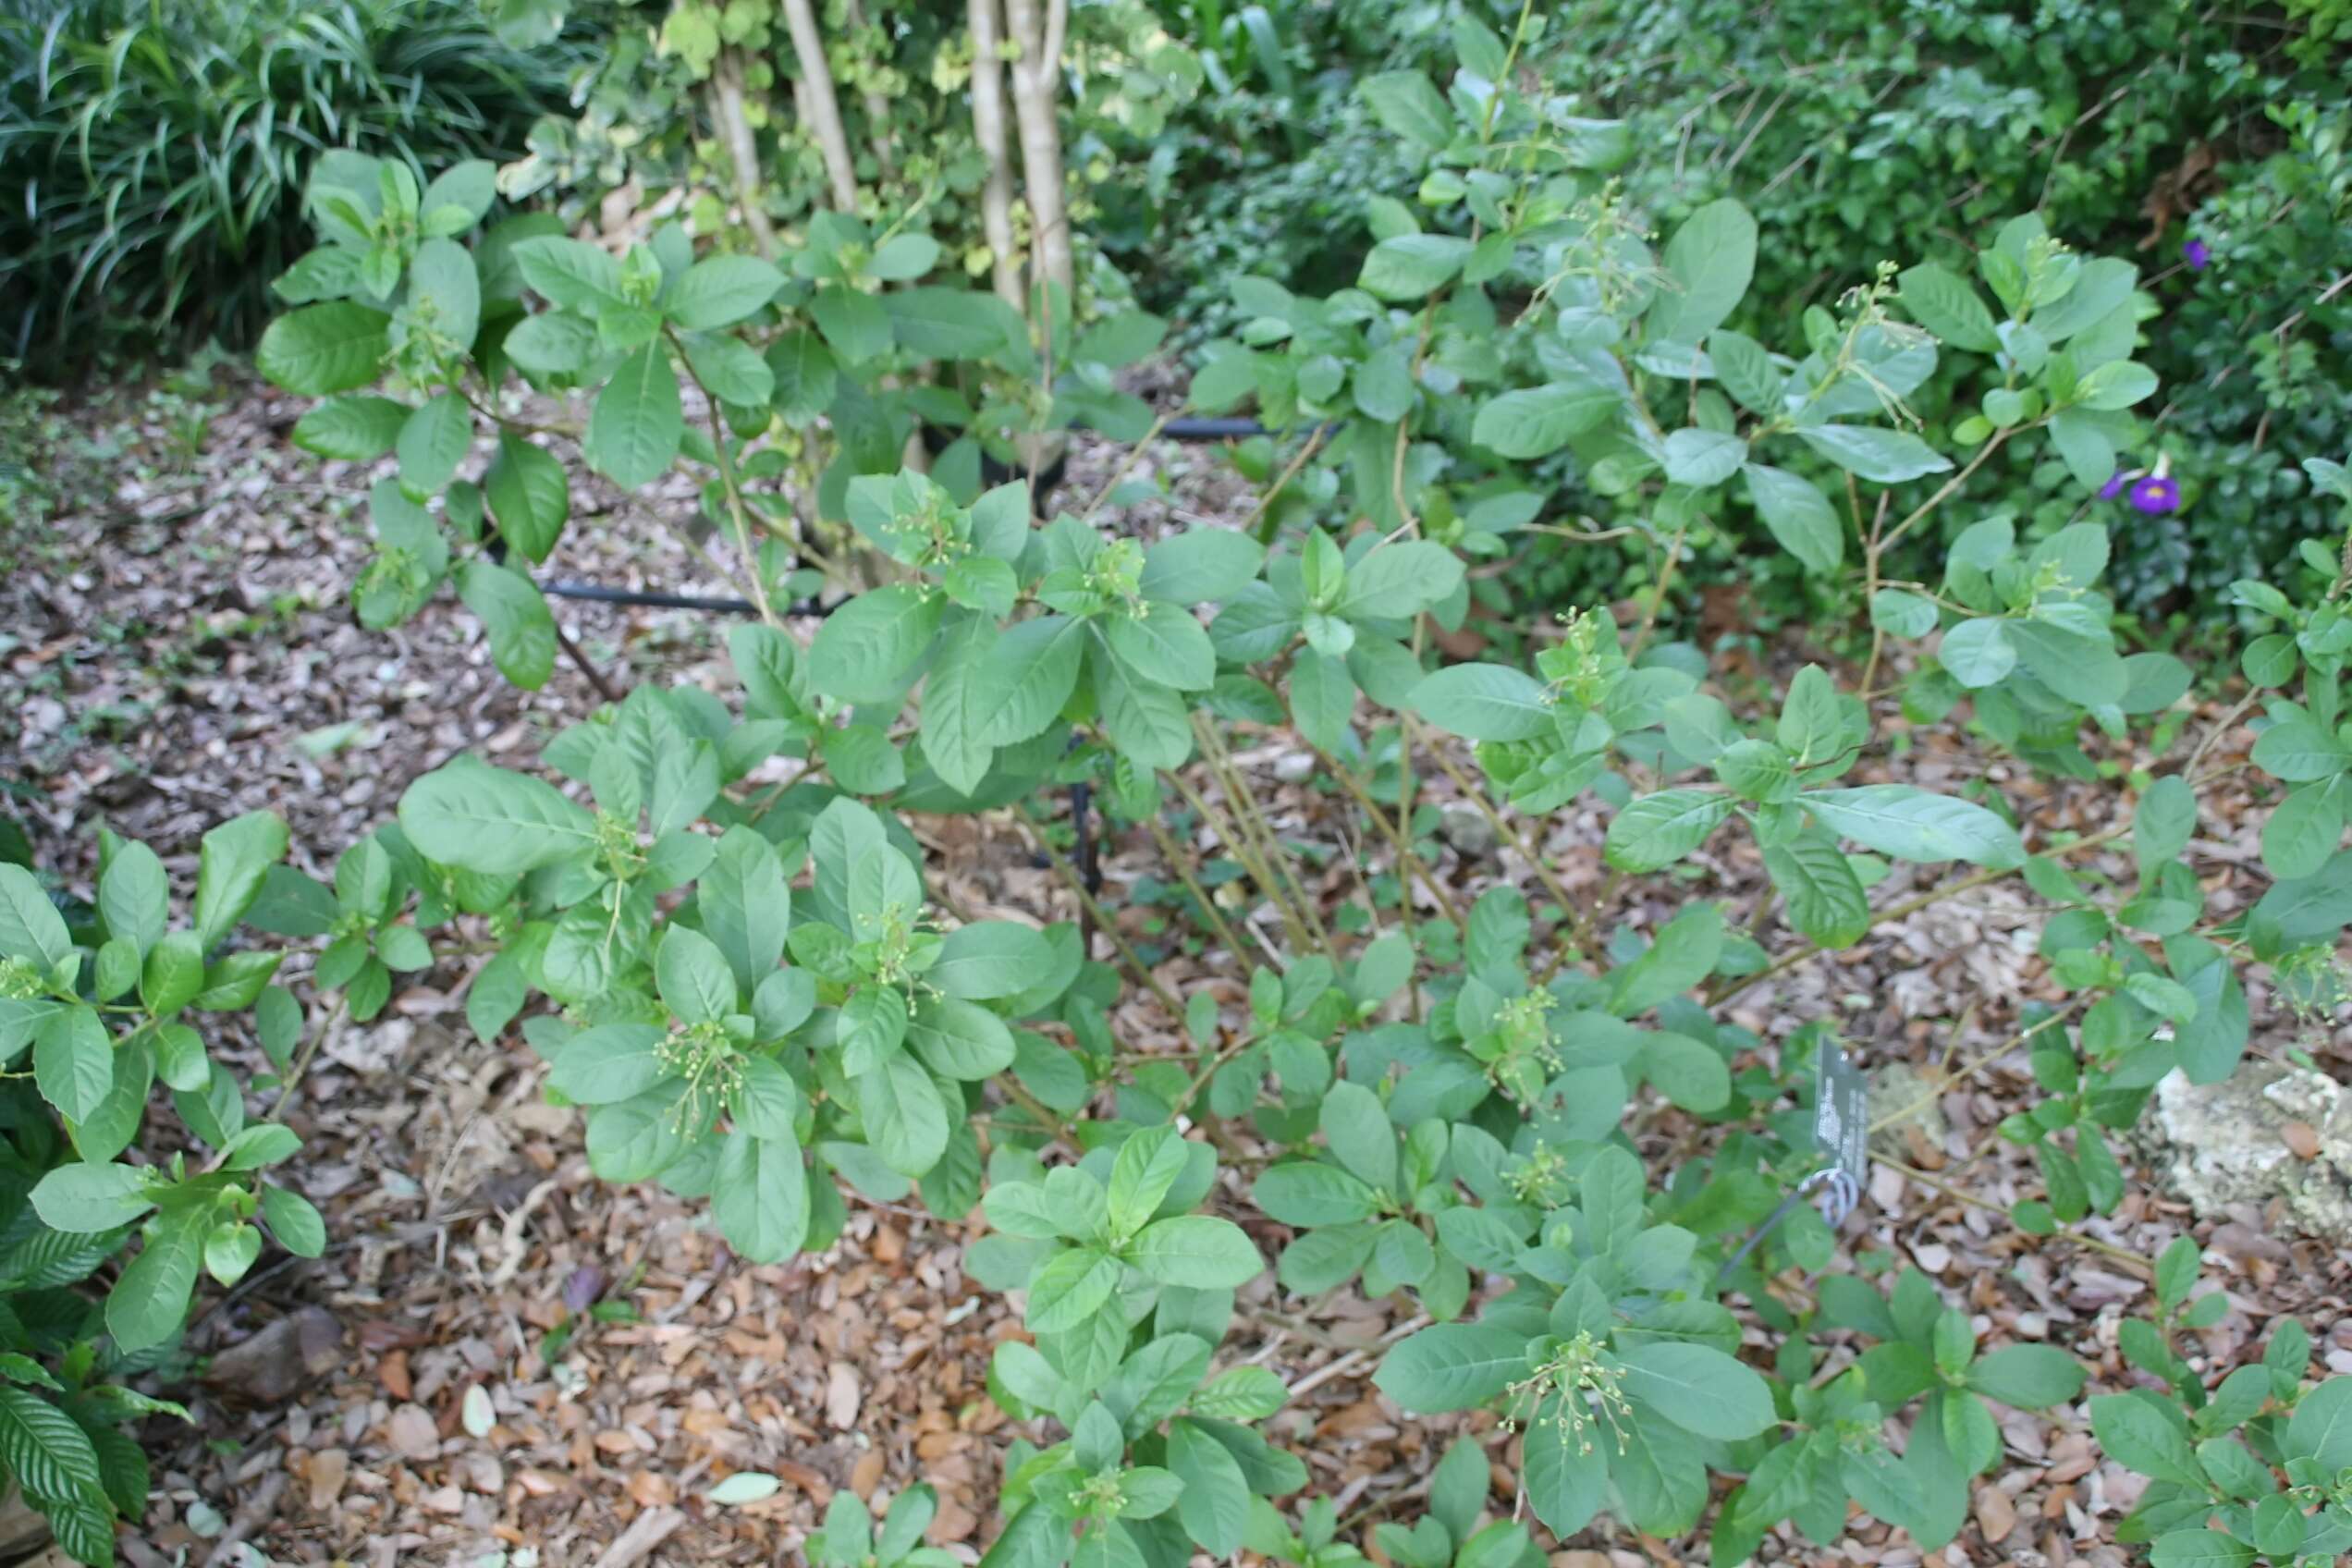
(716, 604)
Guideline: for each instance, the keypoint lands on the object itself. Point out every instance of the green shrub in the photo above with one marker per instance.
(153, 153)
(2131, 130)
(108, 1001)
(757, 1000)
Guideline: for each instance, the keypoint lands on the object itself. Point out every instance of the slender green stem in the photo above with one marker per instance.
(1242, 849)
(1179, 861)
(1510, 835)
(1409, 861)
(1072, 880)
(1252, 818)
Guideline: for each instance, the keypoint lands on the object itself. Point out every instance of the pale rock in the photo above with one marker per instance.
(2218, 1145)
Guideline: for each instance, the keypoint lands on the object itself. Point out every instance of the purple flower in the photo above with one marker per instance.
(2155, 495)
(2198, 253)
(583, 1287)
(2114, 486)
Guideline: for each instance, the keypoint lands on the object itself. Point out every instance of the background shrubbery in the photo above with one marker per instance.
(153, 155)
(2134, 128)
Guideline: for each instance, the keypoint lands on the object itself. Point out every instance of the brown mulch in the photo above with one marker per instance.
(179, 649)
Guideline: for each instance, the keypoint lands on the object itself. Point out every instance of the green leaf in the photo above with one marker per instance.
(961, 1040)
(1030, 673)
(854, 325)
(1382, 384)
(1909, 823)
(1701, 459)
(1452, 1366)
(862, 759)
(1698, 1388)
(2114, 385)
(30, 928)
(489, 820)
(1069, 1288)
(1901, 614)
(232, 861)
(334, 347)
(1978, 653)
(951, 324)
(1148, 725)
(551, 345)
(2321, 1427)
(1885, 457)
(1688, 1072)
(1566, 1474)
(355, 429)
(293, 1220)
(1411, 266)
(639, 420)
(1709, 260)
(45, 1449)
(2199, 1548)
(1661, 1476)
(73, 1062)
(134, 898)
(1322, 698)
(1485, 702)
(2300, 751)
(1197, 1251)
(1825, 901)
(433, 441)
(1165, 646)
(745, 905)
(1356, 1125)
(89, 1198)
(730, 370)
(1410, 106)
(2162, 823)
(1394, 581)
(720, 291)
(1304, 1192)
(570, 273)
(804, 375)
(905, 1116)
(522, 629)
(2028, 1376)
(990, 958)
(1654, 831)
(262, 1145)
(1798, 516)
(866, 649)
(760, 1196)
(1535, 421)
(1200, 566)
(1747, 372)
(1145, 1170)
(150, 1301)
(530, 497)
(2138, 1435)
(608, 1063)
(1215, 1505)
(1947, 305)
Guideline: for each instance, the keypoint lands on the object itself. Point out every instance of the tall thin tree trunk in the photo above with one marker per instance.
(735, 129)
(1036, 97)
(821, 105)
(988, 131)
